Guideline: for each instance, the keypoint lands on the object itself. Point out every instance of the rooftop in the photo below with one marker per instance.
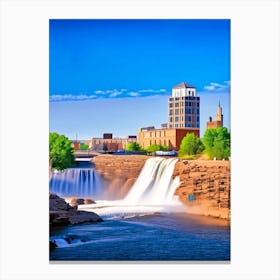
(183, 85)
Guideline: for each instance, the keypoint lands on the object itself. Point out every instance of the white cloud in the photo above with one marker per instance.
(133, 93)
(109, 93)
(115, 93)
(100, 92)
(152, 90)
(71, 97)
(218, 87)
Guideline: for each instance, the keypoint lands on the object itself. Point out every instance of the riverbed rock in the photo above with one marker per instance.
(84, 217)
(80, 201)
(62, 213)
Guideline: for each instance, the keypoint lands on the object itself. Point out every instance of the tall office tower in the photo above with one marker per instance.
(183, 107)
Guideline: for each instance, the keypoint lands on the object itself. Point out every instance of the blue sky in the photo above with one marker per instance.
(116, 75)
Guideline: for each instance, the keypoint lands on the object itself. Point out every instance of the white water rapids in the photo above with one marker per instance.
(152, 193)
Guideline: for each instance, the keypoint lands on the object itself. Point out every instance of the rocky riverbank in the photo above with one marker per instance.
(62, 213)
(205, 185)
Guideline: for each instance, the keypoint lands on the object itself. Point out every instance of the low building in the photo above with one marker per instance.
(110, 144)
(76, 144)
(170, 137)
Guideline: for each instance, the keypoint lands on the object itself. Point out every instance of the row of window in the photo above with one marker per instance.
(159, 142)
(184, 98)
(157, 133)
(178, 119)
(182, 104)
(186, 111)
(178, 125)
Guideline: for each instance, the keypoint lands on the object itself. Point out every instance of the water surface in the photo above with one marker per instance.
(162, 237)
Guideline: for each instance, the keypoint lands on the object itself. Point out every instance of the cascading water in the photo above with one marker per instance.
(152, 192)
(154, 185)
(81, 182)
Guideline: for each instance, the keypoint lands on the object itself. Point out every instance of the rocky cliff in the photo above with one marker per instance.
(118, 173)
(205, 185)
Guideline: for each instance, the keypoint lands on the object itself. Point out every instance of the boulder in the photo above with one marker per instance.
(61, 213)
(81, 201)
(84, 217)
(89, 201)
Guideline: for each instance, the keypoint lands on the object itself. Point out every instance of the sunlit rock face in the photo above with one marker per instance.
(205, 186)
(118, 173)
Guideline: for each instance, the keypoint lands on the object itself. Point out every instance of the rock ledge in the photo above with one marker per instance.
(61, 213)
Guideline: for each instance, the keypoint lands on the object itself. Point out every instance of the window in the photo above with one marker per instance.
(176, 119)
(176, 125)
(170, 112)
(176, 111)
(171, 119)
(197, 118)
(189, 118)
(170, 105)
(197, 111)
(177, 104)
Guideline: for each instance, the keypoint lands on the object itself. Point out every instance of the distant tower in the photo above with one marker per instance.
(183, 107)
(219, 115)
(218, 120)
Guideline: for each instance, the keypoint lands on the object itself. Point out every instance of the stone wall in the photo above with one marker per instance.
(205, 185)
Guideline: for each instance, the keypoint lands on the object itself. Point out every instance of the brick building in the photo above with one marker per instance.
(170, 137)
(110, 144)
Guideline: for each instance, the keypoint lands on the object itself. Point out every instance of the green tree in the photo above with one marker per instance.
(132, 147)
(190, 145)
(217, 143)
(84, 147)
(61, 152)
(156, 147)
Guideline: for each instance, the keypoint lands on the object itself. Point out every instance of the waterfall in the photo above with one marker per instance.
(155, 185)
(153, 192)
(80, 182)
